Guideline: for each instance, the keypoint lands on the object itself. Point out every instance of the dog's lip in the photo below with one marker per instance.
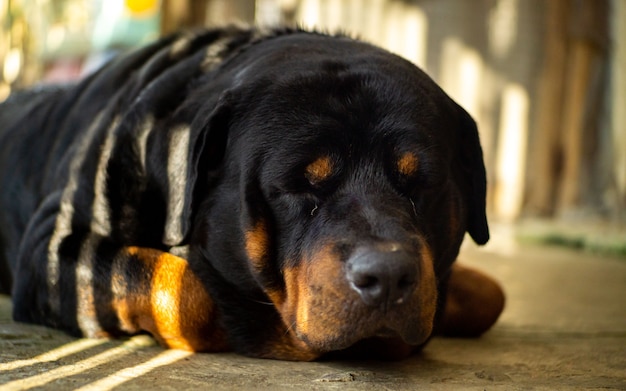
(412, 337)
(408, 333)
(386, 332)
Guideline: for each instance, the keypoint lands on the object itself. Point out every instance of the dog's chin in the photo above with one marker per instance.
(386, 332)
(409, 335)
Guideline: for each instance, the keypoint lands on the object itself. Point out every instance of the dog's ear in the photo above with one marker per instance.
(473, 171)
(195, 155)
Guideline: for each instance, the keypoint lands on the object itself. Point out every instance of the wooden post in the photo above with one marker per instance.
(618, 98)
(578, 77)
(543, 165)
(585, 60)
(179, 14)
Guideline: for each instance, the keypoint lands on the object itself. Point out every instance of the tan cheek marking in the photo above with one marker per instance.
(277, 296)
(295, 288)
(319, 170)
(301, 311)
(407, 164)
(317, 272)
(257, 243)
(427, 291)
(292, 308)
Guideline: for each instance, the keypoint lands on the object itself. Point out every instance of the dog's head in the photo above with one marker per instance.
(345, 182)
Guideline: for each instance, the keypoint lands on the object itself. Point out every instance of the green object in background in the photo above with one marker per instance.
(125, 23)
(602, 238)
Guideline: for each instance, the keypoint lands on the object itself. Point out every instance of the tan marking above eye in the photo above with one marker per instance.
(257, 242)
(407, 164)
(319, 170)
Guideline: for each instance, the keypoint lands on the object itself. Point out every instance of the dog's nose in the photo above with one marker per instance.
(383, 277)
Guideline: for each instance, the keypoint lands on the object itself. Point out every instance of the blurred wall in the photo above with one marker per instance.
(545, 80)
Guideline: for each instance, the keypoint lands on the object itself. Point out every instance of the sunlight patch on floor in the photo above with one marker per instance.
(128, 347)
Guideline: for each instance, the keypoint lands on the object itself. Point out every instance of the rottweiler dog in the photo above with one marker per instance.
(280, 193)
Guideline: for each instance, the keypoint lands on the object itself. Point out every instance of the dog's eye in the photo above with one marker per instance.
(319, 170)
(416, 174)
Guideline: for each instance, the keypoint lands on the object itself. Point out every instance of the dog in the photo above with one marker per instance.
(279, 193)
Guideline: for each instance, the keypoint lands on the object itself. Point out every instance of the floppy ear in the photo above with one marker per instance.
(195, 153)
(473, 170)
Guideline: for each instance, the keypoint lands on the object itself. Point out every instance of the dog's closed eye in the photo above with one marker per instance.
(407, 164)
(319, 170)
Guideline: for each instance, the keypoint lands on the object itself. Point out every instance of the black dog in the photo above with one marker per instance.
(279, 193)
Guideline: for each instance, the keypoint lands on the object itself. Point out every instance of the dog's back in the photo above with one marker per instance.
(22, 154)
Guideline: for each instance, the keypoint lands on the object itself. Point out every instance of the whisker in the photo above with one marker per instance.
(290, 327)
(262, 302)
(414, 209)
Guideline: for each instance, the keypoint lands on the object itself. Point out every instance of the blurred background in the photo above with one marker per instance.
(545, 80)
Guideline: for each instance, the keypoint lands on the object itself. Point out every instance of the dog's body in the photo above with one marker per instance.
(283, 194)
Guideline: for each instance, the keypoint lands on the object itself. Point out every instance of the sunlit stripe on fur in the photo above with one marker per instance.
(63, 223)
(86, 309)
(215, 53)
(181, 45)
(180, 251)
(166, 357)
(142, 134)
(177, 174)
(101, 213)
(132, 345)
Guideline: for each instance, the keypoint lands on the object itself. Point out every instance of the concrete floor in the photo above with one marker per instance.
(564, 328)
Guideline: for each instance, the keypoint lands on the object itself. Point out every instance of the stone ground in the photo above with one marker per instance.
(564, 328)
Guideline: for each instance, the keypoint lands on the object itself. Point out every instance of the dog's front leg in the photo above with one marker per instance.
(157, 292)
(89, 285)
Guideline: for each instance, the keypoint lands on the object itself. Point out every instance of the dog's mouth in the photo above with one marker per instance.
(386, 332)
(332, 304)
(331, 331)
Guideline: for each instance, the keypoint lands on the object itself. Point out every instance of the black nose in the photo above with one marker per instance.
(382, 277)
